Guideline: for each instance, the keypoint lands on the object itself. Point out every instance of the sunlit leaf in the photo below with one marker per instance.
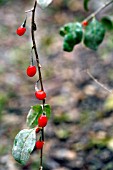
(34, 113)
(94, 34)
(44, 3)
(24, 144)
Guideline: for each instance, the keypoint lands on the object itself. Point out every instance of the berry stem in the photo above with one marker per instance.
(24, 23)
(98, 10)
(31, 58)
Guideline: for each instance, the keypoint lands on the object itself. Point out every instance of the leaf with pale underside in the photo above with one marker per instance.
(24, 144)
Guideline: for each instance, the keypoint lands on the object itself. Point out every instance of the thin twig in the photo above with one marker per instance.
(99, 10)
(100, 84)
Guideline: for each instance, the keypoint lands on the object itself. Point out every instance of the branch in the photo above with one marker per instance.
(33, 29)
(100, 84)
(34, 46)
(98, 10)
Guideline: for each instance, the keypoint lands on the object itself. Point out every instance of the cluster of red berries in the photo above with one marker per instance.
(40, 94)
(31, 70)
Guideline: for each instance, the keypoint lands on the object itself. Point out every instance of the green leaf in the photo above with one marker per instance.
(70, 28)
(94, 34)
(67, 28)
(44, 3)
(47, 110)
(24, 144)
(62, 31)
(70, 39)
(86, 4)
(67, 47)
(33, 115)
(107, 22)
(78, 32)
(69, 42)
(72, 33)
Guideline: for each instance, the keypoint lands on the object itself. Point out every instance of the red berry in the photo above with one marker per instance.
(37, 130)
(31, 71)
(39, 144)
(42, 121)
(21, 30)
(40, 94)
(85, 23)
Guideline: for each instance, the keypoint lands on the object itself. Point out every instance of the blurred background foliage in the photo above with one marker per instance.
(79, 135)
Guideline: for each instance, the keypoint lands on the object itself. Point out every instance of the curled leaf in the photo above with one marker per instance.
(33, 115)
(107, 22)
(86, 4)
(72, 33)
